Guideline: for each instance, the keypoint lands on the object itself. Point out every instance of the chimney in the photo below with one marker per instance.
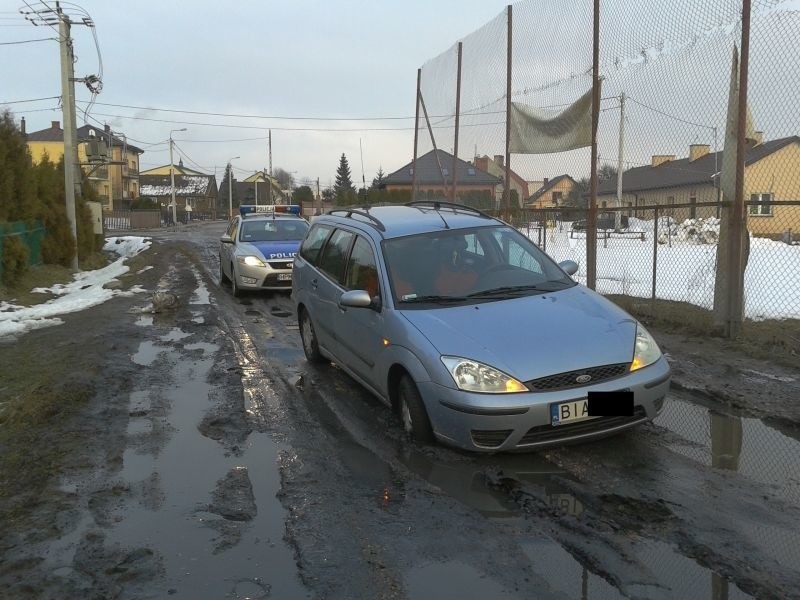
(698, 151)
(499, 159)
(22, 126)
(55, 125)
(544, 181)
(758, 138)
(107, 128)
(660, 159)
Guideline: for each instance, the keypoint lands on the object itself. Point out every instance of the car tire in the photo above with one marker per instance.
(235, 289)
(412, 412)
(223, 279)
(309, 338)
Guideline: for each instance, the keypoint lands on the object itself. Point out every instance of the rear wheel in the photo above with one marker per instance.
(309, 338)
(413, 415)
(235, 290)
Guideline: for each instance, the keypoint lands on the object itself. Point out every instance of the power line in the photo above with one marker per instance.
(661, 112)
(27, 41)
(31, 100)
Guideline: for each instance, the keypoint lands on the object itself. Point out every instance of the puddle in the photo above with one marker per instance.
(279, 312)
(140, 425)
(147, 353)
(726, 441)
(174, 335)
(207, 556)
(206, 347)
(139, 402)
(197, 317)
(453, 581)
(201, 294)
(144, 321)
(253, 313)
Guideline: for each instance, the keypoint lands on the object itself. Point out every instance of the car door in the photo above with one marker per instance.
(226, 250)
(326, 287)
(360, 331)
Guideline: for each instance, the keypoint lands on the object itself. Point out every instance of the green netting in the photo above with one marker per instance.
(30, 233)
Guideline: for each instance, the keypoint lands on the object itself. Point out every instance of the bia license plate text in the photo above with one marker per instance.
(569, 412)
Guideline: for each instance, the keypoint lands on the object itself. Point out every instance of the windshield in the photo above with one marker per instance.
(469, 265)
(273, 230)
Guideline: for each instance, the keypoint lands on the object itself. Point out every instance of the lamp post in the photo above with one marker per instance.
(230, 187)
(172, 177)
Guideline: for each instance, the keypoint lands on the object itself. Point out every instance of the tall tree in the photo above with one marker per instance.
(222, 197)
(380, 177)
(343, 188)
(284, 178)
(607, 172)
(577, 195)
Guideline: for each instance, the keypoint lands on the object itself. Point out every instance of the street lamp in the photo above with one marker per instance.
(230, 187)
(172, 177)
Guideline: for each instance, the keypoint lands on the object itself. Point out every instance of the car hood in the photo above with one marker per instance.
(273, 250)
(532, 336)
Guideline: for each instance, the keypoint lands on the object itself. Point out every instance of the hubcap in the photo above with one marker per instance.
(405, 415)
(307, 334)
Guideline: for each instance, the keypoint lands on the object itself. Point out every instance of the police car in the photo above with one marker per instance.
(258, 248)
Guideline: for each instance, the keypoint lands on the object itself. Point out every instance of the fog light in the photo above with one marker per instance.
(249, 280)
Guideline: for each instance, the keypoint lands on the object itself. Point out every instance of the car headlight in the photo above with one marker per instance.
(472, 376)
(645, 349)
(251, 261)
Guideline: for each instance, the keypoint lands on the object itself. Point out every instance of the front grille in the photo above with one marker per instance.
(544, 433)
(490, 438)
(272, 280)
(565, 381)
(280, 265)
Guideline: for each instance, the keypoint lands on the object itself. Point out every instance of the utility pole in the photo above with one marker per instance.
(269, 195)
(172, 178)
(72, 178)
(319, 199)
(363, 179)
(256, 184)
(618, 216)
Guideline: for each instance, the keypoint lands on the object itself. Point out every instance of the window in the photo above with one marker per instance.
(470, 171)
(557, 197)
(514, 254)
(362, 270)
(693, 208)
(764, 208)
(334, 255)
(314, 242)
(273, 230)
(474, 244)
(232, 226)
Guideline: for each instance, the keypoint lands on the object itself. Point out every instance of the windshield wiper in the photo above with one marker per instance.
(435, 299)
(514, 290)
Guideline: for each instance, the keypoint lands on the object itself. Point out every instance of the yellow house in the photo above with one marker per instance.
(552, 192)
(179, 169)
(116, 182)
(771, 175)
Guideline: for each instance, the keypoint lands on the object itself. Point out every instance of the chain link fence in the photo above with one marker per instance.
(668, 77)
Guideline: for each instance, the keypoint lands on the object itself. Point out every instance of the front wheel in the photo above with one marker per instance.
(413, 415)
(309, 338)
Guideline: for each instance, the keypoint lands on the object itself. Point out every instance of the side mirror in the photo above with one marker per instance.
(226, 239)
(570, 267)
(356, 299)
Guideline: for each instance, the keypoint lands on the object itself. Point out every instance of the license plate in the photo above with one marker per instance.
(569, 412)
(284, 276)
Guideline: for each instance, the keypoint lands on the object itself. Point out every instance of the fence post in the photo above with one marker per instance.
(416, 140)
(591, 221)
(655, 260)
(507, 183)
(458, 115)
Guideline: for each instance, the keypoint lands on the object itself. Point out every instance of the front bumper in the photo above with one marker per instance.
(503, 422)
(262, 278)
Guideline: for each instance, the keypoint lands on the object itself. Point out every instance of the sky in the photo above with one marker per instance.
(299, 58)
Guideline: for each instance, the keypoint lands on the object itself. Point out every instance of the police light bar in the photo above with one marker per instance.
(269, 209)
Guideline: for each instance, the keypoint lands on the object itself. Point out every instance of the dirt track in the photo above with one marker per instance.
(216, 463)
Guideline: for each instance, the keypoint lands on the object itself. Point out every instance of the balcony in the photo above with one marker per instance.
(130, 172)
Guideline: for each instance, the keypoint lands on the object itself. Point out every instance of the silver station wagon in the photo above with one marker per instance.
(473, 335)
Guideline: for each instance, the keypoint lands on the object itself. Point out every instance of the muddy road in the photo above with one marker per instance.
(241, 471)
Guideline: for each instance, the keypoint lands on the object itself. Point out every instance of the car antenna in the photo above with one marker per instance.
(436, 207)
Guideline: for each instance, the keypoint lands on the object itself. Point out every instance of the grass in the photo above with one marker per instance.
(46, 276)
(777, 341)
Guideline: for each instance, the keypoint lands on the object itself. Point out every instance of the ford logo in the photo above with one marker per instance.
(583, 379)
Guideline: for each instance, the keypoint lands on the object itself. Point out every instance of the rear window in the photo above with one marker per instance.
(334, 256)
(273, 230)
(314, 242)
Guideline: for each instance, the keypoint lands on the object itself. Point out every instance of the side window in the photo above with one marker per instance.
(474, 244)
(515, 255)
(232, 228)
(314, 242)
(334, 256)
(362, 270)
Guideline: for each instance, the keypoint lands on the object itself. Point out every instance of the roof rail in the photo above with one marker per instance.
(348, 212)
(436, 205)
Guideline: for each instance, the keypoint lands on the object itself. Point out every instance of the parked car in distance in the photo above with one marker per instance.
(257, 250)
(473, 335)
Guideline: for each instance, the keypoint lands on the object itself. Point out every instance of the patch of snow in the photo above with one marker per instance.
(87, 289)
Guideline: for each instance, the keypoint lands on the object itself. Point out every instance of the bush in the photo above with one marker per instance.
(15, 260)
